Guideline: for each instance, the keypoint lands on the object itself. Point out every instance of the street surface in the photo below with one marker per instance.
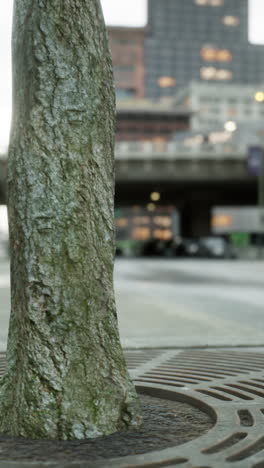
(164, 303)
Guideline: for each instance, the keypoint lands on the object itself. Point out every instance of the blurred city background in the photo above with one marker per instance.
(189, 78)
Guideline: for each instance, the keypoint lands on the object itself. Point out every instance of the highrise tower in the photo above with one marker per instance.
(201, 40)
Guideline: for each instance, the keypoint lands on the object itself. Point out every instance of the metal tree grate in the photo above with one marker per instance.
(228, 385)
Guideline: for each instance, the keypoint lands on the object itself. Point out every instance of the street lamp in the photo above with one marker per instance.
(155, 196)
(259, 96)
(151, 207)
(230, 126)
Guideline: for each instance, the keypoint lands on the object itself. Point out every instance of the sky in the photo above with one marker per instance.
(117, 12)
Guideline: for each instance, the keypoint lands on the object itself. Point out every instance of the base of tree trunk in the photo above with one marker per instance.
(166, 424)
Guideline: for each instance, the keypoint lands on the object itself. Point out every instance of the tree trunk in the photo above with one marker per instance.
(66, 376)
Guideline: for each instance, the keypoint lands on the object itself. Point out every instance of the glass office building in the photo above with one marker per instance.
(200, 40)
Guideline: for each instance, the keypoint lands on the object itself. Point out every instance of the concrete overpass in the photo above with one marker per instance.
(194, 179)
(172, 162)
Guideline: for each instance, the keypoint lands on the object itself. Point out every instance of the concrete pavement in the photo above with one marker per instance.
(190, 303)
(168, 303)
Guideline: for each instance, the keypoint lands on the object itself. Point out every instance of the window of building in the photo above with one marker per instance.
(212, 54)
(208, 54)
(224, 74)
(207, 73)
(166, 81)
(214, 110)
(247, 111)
(122, 41)
(124, 93)
(224, 55)
(212, 73)
(124, 68)
(213, 3)
(230, 20)
(141, 233)
(232, 111)
(216, 3)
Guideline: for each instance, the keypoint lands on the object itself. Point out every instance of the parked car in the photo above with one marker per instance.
(215, 247)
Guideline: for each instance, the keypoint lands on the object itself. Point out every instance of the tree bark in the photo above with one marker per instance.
(66, 375)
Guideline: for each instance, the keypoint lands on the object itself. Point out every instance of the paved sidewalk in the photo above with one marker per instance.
(179, 303)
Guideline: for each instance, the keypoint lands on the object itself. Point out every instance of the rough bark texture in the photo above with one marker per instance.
(66, 374)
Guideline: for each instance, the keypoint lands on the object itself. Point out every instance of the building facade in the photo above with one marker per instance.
(201, 40)
(212, 105)
(127, 47)
(184, 40)
(142, 120)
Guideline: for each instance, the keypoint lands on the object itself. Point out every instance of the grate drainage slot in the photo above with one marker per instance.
(214, 395)
(168, 463)
(252, 449)
(159, 381)
(253, 384)
(221, 366)
(217, 361)
(211, 372)
(246, 355)
(172, 379)
(234, 359)
(246, 418)
(246, 389)
(223, 356)
(177, 375)
(225, 443)
(233, 392)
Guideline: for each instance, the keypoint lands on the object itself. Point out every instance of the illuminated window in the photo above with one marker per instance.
(121, 222)
(212, 73)
(224, 55)
(166, 81)
(219, 137)
(224, 75)
(141, 220)
(230, 20)
(208, 54)
(221, 220)
(214, 3)
(193, 141)
(141, 233)
(211, 54)
(164, 221)
(162, 234)
(208, 73)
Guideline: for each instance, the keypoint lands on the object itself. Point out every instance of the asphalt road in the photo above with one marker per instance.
(179, 303)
